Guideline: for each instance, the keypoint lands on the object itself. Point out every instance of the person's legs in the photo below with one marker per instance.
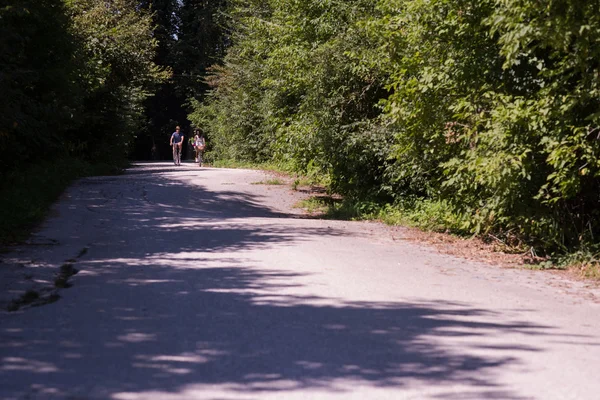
(179, 147)
(175, 154)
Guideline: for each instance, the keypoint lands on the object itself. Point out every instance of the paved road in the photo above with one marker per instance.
(198, 284)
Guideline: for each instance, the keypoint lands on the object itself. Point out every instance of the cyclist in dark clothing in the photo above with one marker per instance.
(177, 143)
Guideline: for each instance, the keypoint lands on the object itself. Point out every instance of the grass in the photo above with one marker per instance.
(27, 194)
(315, 205)
(306, 181)
(588, 270)
(545, 265)
(310, 179)
(584, 263)
(270, 182)
(427, 215)
(247, 165)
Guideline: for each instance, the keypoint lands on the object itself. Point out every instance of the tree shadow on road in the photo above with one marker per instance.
(153, 319)
(159, 329)
(166, 193)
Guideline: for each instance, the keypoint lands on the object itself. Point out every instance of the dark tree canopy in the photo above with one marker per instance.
(191, 38)
(479, 117)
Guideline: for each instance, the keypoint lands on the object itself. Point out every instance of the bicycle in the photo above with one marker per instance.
(177, 153)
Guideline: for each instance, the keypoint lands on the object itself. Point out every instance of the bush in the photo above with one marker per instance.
(488, 112)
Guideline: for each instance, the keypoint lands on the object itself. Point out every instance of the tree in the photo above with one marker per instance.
(489, 108)
(39, 99)
(191, 38)
(118, 71)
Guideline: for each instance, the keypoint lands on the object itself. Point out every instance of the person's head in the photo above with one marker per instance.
(177, 128)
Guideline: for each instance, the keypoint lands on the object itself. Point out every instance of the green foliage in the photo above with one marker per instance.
(201, 41)
(293, 89)
(316, 205)
(118, 70)
(273, 181)
(74, 75)
(191, 37)
(427, 214)
(37, 81)
(486, 111)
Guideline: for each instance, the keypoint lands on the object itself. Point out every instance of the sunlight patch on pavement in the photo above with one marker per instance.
(179, 260)
(137, 337)
(183, 358)
(269, 387)
(23, 364)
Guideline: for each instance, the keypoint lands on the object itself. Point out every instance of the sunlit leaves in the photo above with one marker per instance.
(491, 107)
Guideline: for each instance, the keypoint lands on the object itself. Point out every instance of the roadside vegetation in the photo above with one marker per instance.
(74, 76)
(274, 181)
(27, 194)
(478, 118)
(475, 118)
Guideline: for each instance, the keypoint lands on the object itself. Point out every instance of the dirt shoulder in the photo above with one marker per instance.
(468, 248)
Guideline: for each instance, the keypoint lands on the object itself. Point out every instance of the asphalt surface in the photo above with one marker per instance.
(199, 283)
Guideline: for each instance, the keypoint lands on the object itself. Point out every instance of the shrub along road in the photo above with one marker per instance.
(198, 283)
